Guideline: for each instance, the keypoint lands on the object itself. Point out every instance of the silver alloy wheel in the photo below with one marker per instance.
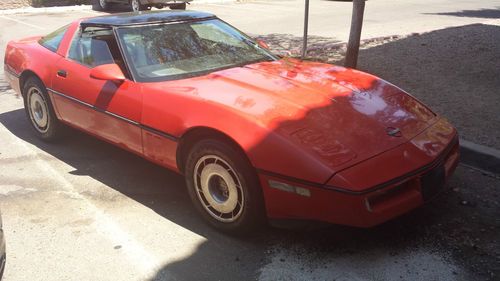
(136, 6)
(218, 188)
(38, 110)
(102, 3)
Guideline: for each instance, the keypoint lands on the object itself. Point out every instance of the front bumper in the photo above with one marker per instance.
(361, 208)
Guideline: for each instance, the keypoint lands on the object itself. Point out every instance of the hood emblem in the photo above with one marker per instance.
(394, 132)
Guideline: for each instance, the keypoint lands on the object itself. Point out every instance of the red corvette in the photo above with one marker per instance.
(256, 136)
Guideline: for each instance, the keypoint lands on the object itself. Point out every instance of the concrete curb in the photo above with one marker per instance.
(480, 156)
(62, 9)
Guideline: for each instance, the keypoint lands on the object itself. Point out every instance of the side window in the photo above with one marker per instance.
(53, 40)
(96, 46)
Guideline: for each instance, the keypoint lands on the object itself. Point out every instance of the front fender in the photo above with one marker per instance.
(176, 110)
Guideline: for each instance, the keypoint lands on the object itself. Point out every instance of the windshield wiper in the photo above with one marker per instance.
(252, 62)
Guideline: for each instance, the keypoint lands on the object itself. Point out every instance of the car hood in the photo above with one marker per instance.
(340, 116)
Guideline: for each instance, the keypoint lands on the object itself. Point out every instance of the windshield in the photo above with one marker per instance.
(175, 51)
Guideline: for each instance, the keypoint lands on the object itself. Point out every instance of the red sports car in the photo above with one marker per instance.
(256, 136)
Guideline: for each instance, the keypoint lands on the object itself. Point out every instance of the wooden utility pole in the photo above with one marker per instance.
(358, 9)
(306, 23)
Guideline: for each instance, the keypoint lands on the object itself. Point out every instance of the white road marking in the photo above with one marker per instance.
(6, 190)
(22, 22)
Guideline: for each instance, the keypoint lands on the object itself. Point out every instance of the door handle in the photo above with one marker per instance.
(62, 73)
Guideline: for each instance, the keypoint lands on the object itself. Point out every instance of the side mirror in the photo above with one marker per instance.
(107, 72)
(262, 44)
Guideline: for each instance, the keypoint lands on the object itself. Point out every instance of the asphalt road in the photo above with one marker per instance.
(82, 209)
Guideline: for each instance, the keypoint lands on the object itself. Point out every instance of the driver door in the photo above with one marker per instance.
(108, 109)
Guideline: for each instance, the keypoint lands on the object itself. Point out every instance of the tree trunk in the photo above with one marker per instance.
(358, 8)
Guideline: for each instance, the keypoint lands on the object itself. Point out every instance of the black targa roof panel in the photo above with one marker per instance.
(145, 17)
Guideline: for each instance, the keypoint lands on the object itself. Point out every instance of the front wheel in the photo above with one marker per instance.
(224, 187)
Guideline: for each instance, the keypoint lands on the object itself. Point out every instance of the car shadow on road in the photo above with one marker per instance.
(155, 187)
(221, 257)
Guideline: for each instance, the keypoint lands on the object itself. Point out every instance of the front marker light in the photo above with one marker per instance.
(290, 188)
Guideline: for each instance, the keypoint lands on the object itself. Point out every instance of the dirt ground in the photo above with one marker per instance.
(13, 4)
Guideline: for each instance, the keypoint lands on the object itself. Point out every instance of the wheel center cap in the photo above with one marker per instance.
(219, 188)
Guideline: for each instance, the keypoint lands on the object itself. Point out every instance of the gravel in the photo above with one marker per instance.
(371, 264)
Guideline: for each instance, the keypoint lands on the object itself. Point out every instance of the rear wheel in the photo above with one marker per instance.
(137, 6)
(224, 187)
(100, 5)
(39, 110)
(181, 6)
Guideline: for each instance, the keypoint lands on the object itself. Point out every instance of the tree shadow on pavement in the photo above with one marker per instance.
(454, 70)
(483, 13)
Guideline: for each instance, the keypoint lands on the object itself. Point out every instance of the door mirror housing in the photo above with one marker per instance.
(109, 72)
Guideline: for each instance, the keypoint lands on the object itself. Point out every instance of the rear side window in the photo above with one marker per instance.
(53, 40)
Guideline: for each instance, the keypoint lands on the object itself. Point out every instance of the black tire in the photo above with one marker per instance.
(246, 216)
(35, 96)
(136, 6)
(100, 6)
(181, 6)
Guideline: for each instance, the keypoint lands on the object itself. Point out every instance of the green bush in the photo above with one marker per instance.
(51, 3)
